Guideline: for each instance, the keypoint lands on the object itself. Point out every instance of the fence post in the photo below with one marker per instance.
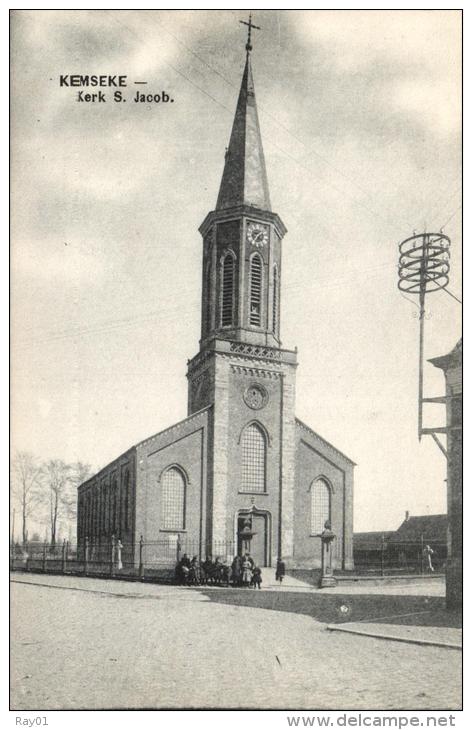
(86, 555)
(422, 553)
(382, 570)
(141, 563)
(112, 556)
(44, 558)
(64, 556)
(178, 548)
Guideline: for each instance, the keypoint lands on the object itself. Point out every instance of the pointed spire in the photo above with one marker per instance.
(244, 180)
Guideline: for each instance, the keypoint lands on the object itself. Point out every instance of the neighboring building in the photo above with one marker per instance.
(241, 458)
(429, 528)
(403, 549)
(451, 365)
(406, 545)
(367, 547)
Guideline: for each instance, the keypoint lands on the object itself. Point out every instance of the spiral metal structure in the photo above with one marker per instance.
(423, 267)
(424, 263)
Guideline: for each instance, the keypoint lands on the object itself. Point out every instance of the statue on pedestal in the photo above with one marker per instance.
(327, 579)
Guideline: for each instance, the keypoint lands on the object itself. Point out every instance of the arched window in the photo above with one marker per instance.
(120, 507)
(227, 290)
(255, 293)
(107, 510)
(89, 516)
(114, 488)
(100, 509)
(275, 299)
(320, 505)
(126, 485)
(253, 472)
(92, 515)
(207, 297)
(95, 512)
(173, 499)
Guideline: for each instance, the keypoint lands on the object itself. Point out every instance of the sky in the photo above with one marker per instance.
(360, 115)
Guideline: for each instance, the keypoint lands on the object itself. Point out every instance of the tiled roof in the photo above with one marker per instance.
(431, 527)
(370, 540)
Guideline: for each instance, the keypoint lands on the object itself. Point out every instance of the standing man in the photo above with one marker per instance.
(280, 570)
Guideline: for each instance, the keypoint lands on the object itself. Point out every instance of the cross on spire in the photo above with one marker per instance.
(250, 26)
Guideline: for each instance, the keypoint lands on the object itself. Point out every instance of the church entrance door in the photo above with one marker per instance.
(259, 542)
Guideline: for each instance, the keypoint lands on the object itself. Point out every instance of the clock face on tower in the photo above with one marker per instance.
(257, 234)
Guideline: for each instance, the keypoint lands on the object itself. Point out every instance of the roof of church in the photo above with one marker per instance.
(330, 446)
(244, 180)
(174, 427)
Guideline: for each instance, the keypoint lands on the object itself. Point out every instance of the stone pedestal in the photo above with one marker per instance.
(327, 579)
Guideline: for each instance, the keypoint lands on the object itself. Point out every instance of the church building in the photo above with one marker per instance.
(241, 461)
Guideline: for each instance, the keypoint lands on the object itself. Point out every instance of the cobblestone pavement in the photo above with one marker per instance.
(90, 643)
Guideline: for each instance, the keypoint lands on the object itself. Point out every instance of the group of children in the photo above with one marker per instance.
(242, 573)
(245, 573)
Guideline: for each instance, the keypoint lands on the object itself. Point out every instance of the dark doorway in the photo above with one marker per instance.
(259, 542)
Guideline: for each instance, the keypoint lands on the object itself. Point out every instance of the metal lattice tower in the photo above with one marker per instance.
(423, 268)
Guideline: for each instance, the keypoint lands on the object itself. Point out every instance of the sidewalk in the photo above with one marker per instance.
(289, 582)
(450, 638)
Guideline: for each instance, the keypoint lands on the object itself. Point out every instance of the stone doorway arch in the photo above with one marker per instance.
(261, 542)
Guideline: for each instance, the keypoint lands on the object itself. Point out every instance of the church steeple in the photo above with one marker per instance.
(242, 238)
(244, 180)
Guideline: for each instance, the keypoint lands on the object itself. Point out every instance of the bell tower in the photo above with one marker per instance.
(242, 239)
(241, 368)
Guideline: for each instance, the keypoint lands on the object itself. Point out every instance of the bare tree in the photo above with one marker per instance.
(27, 486)
(57, 477)
(80, 472)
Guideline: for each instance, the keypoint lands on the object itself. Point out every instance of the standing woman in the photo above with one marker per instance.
(247, 571)
(236, 571)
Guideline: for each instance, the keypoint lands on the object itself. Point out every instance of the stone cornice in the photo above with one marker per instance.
(256, 372)
(241, 351)
(228, 214)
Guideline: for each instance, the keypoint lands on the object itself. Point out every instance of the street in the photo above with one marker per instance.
(82, 643)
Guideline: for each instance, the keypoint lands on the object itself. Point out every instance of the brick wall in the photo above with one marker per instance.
(317, 459)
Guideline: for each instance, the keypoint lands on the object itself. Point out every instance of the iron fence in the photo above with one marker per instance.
(144, 559)
(158, 559)
(391, 557)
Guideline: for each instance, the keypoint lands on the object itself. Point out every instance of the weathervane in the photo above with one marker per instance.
(250, 26)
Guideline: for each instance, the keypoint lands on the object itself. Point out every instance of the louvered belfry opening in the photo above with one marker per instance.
(227, 299)
(275, 301)
(256, 291)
